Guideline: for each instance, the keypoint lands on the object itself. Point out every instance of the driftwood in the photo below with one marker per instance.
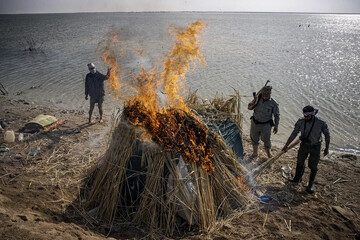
(54, 125)
(257, 171)
(3, 90)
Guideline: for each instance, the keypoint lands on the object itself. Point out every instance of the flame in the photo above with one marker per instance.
(145, 90)
(184, 53)
(109, 58)
(243, 185)
(175, 130)
(172, 125)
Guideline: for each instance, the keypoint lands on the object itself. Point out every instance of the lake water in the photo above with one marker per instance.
(309, 59)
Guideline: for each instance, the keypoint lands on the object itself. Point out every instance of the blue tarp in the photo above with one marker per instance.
(232, 136)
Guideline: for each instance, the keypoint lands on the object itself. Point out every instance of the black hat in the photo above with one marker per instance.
(308, 108)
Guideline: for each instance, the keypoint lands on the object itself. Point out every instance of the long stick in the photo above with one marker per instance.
(266, 216)
(3, 89)
(257, 171)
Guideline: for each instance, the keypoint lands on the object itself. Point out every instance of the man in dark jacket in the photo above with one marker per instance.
(311, 128)
(94, 86)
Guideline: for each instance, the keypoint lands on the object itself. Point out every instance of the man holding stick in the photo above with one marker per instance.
(262, 121)
(311, 128)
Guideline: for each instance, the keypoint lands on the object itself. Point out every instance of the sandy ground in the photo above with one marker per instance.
(37, 192)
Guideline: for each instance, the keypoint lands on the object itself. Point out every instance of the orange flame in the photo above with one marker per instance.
(243, 185)
(109, 58)
(185, 51)
(184, 54)
(175, 130)
(171, 126)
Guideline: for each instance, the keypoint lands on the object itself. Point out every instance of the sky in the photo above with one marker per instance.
(70, 6)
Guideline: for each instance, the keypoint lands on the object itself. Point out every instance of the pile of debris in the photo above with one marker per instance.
(170, 160)
(186, 173)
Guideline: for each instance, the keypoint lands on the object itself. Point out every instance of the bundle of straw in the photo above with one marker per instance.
(109, 181)
(217, 109)
(172, 188)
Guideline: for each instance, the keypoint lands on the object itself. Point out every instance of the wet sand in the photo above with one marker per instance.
(37, 192)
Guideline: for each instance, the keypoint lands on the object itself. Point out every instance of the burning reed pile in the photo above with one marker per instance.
(175, 130)
(163, 165)
(156, 185)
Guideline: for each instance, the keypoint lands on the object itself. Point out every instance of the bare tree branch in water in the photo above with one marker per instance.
(3, 90)
(31, 44)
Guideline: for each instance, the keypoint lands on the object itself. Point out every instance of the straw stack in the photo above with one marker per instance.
(168, 188)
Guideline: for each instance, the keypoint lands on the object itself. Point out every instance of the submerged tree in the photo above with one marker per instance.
(31, 44)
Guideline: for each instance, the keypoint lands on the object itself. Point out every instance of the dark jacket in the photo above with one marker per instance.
(94, 84)
(311, 130)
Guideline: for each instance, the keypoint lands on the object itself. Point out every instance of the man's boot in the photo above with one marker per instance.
(310, 187)
(255, 152)
(298, 175)
(268, 153)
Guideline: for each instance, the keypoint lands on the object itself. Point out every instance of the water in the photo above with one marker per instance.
(316, 63)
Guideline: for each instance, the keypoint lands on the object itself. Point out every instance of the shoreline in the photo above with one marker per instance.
(277, 143)
(38, 192)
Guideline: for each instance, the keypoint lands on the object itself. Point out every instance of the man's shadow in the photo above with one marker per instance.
(287, 195)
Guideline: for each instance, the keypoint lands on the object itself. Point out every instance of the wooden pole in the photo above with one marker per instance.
(257, 171)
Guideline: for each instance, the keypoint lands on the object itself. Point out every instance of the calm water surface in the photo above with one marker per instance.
(309, 59)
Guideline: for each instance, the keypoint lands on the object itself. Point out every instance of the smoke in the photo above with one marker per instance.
(155, 90)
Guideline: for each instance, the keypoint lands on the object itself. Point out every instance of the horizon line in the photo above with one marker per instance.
(197, 11)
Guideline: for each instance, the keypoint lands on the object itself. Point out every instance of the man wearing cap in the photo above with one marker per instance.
(94, 86)
(262, 121)
(311, 128)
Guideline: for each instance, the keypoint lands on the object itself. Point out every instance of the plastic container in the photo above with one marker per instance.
(9, 136)
(21, 137)
(264, 199)
(34, 153)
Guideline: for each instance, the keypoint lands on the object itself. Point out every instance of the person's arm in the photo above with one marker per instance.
(326, 132)
(290, 139)
(86, 88)
(107, 76)
(277, 118)
(292, 135)
(326, 150)
(251, 105)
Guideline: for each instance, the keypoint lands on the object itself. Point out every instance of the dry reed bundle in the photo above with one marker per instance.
(172, 188)
(225, 179)
(154, 210)
(217, 109)
(108, 183)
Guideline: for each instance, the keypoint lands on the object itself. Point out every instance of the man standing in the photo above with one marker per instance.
(311, 128)
(262, 121)
(94, 86)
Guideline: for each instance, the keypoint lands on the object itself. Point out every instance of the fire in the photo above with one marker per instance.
(184, 53)
(109, 58)
(241, 181)
(175, 130)
(145, 90)
(172, 125)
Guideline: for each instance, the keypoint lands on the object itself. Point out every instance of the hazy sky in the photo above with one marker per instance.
(58, 6)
